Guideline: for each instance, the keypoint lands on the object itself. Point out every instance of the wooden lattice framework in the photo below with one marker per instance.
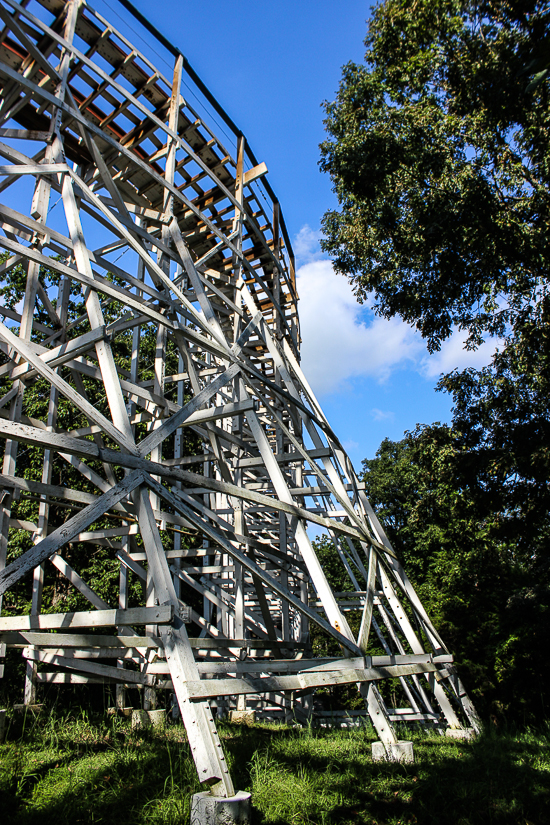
(175, 238)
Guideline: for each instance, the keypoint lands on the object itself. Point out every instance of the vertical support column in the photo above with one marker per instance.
(39, 210)
(178, 453)
(286, 629)
(121, 697)
(238, 242)
(378, 713)
(150, 695)
(123, 604)
(44, 507)
(203, 738)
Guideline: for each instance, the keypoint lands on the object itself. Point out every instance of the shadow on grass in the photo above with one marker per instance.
(114, 785)
(495, 779)
(296, 778)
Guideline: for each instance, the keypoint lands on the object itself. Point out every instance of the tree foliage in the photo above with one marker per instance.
(440, 158)
(488, 594)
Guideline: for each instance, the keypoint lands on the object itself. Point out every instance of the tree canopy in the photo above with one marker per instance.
(485, 588)
(440, 158)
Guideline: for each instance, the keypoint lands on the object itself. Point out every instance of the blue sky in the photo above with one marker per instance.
(271, 65)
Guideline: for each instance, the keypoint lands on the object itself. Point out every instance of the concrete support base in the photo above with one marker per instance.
(460, 733)
(140, 720)
(243, 717)
(218, 810)
(398, 752)
(116, 711)
(144, 719)
(28, 708)
(157, 718)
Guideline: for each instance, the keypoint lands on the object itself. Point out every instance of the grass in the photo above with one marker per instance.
(76, 769)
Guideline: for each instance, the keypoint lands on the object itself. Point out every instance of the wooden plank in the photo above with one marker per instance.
(210, 688)
(253, 174)
(76, 640)
(94, 668)
(138, 656)
(162, 614)
(364, 630)
(34, 169)
(315, 665)
(25, 134)
(53, 678)
(240, 644)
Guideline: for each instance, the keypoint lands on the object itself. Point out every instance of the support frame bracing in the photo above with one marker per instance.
(175, 394)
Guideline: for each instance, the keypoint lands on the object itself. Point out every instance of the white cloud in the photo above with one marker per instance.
(381, 415)
(306, 245)
(340, 338)
(343, 340)
(453, 355)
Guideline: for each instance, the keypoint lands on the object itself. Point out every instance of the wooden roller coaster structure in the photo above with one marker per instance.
(177, 397)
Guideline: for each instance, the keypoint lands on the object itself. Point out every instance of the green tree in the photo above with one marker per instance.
(440, 159)
(439, 154)
(489, 601)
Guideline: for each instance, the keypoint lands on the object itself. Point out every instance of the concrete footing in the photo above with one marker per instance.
(140, 720)
(144, 719)
(157, 718)
(398, 752)
(28, 708)
(115, 711)
(460, 733)
(243, 717)
(218, 810)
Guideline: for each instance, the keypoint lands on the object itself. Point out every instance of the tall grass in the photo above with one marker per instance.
(73, 768)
